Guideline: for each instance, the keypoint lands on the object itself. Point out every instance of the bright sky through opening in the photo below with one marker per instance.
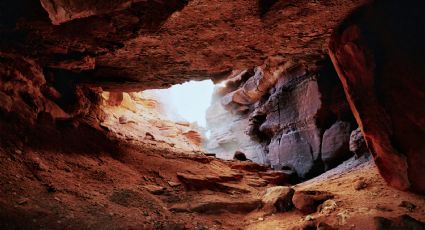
(190, 100)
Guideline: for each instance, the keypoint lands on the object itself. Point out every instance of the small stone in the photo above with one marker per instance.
(51, 188)
(123, 120)
(328, 207)
(260, 218)
(406, 204)
(309, 218)
(342, 217)
(307, 201)
(173, 184)
(18, 151)
(383, 208)
(239, 156)
(360, 185)
(23, 201)
(67, 169)
(154, 189)
(40, 165)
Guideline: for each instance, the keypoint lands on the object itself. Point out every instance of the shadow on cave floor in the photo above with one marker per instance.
(151, 186)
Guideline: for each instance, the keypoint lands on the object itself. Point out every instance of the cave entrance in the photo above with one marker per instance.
(303, 126)
(175, 116)
(186, 102)
(189, 116)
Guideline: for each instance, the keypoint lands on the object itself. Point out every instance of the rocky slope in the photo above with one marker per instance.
(153, 187)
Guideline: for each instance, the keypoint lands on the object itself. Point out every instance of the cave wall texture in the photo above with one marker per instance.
(379, 54)
(55, 55)
(296, 116)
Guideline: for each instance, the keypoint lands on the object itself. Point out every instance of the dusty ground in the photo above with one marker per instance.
(43, 189)
(354, 209)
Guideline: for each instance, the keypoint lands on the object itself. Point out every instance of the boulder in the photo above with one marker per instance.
(308, 201)
(278, 199)
(298, 150)
(335, 144)
(154, 189)
(357, 143)
(240, 156)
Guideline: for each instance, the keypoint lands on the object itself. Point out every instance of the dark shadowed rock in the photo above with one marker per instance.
(405, 222)
(239, 156)
(216, 205)
(335, 144)
(357, 143)
(380, 64)
(308, 201)
(297, 150)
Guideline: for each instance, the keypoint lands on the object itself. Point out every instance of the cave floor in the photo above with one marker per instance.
(139, 188)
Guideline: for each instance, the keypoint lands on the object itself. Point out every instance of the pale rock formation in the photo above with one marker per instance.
(142, 117)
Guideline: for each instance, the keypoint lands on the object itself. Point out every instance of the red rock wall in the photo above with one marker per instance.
(379, 54)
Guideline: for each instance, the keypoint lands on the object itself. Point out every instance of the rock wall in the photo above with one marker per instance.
(379, 54)
(142, 117)
(228, 133)
(128, 45)
(298, 115)
(54, 54)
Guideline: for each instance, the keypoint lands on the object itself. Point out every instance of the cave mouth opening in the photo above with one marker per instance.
(185, 102)
(175, 116)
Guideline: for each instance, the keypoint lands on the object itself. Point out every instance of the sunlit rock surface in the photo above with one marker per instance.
(228, 133)
(143, 117)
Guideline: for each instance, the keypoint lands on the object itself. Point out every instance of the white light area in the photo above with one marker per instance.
(189, 100)
(222, 84)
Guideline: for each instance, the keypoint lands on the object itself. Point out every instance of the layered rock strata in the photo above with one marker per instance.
(297, 113)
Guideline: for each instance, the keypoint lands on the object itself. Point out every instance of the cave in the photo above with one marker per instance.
(195, 114)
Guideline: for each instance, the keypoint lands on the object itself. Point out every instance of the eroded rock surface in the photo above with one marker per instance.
(143, 117)
(379, 60)
(134, 45)
(228, 133)
(296, 114)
